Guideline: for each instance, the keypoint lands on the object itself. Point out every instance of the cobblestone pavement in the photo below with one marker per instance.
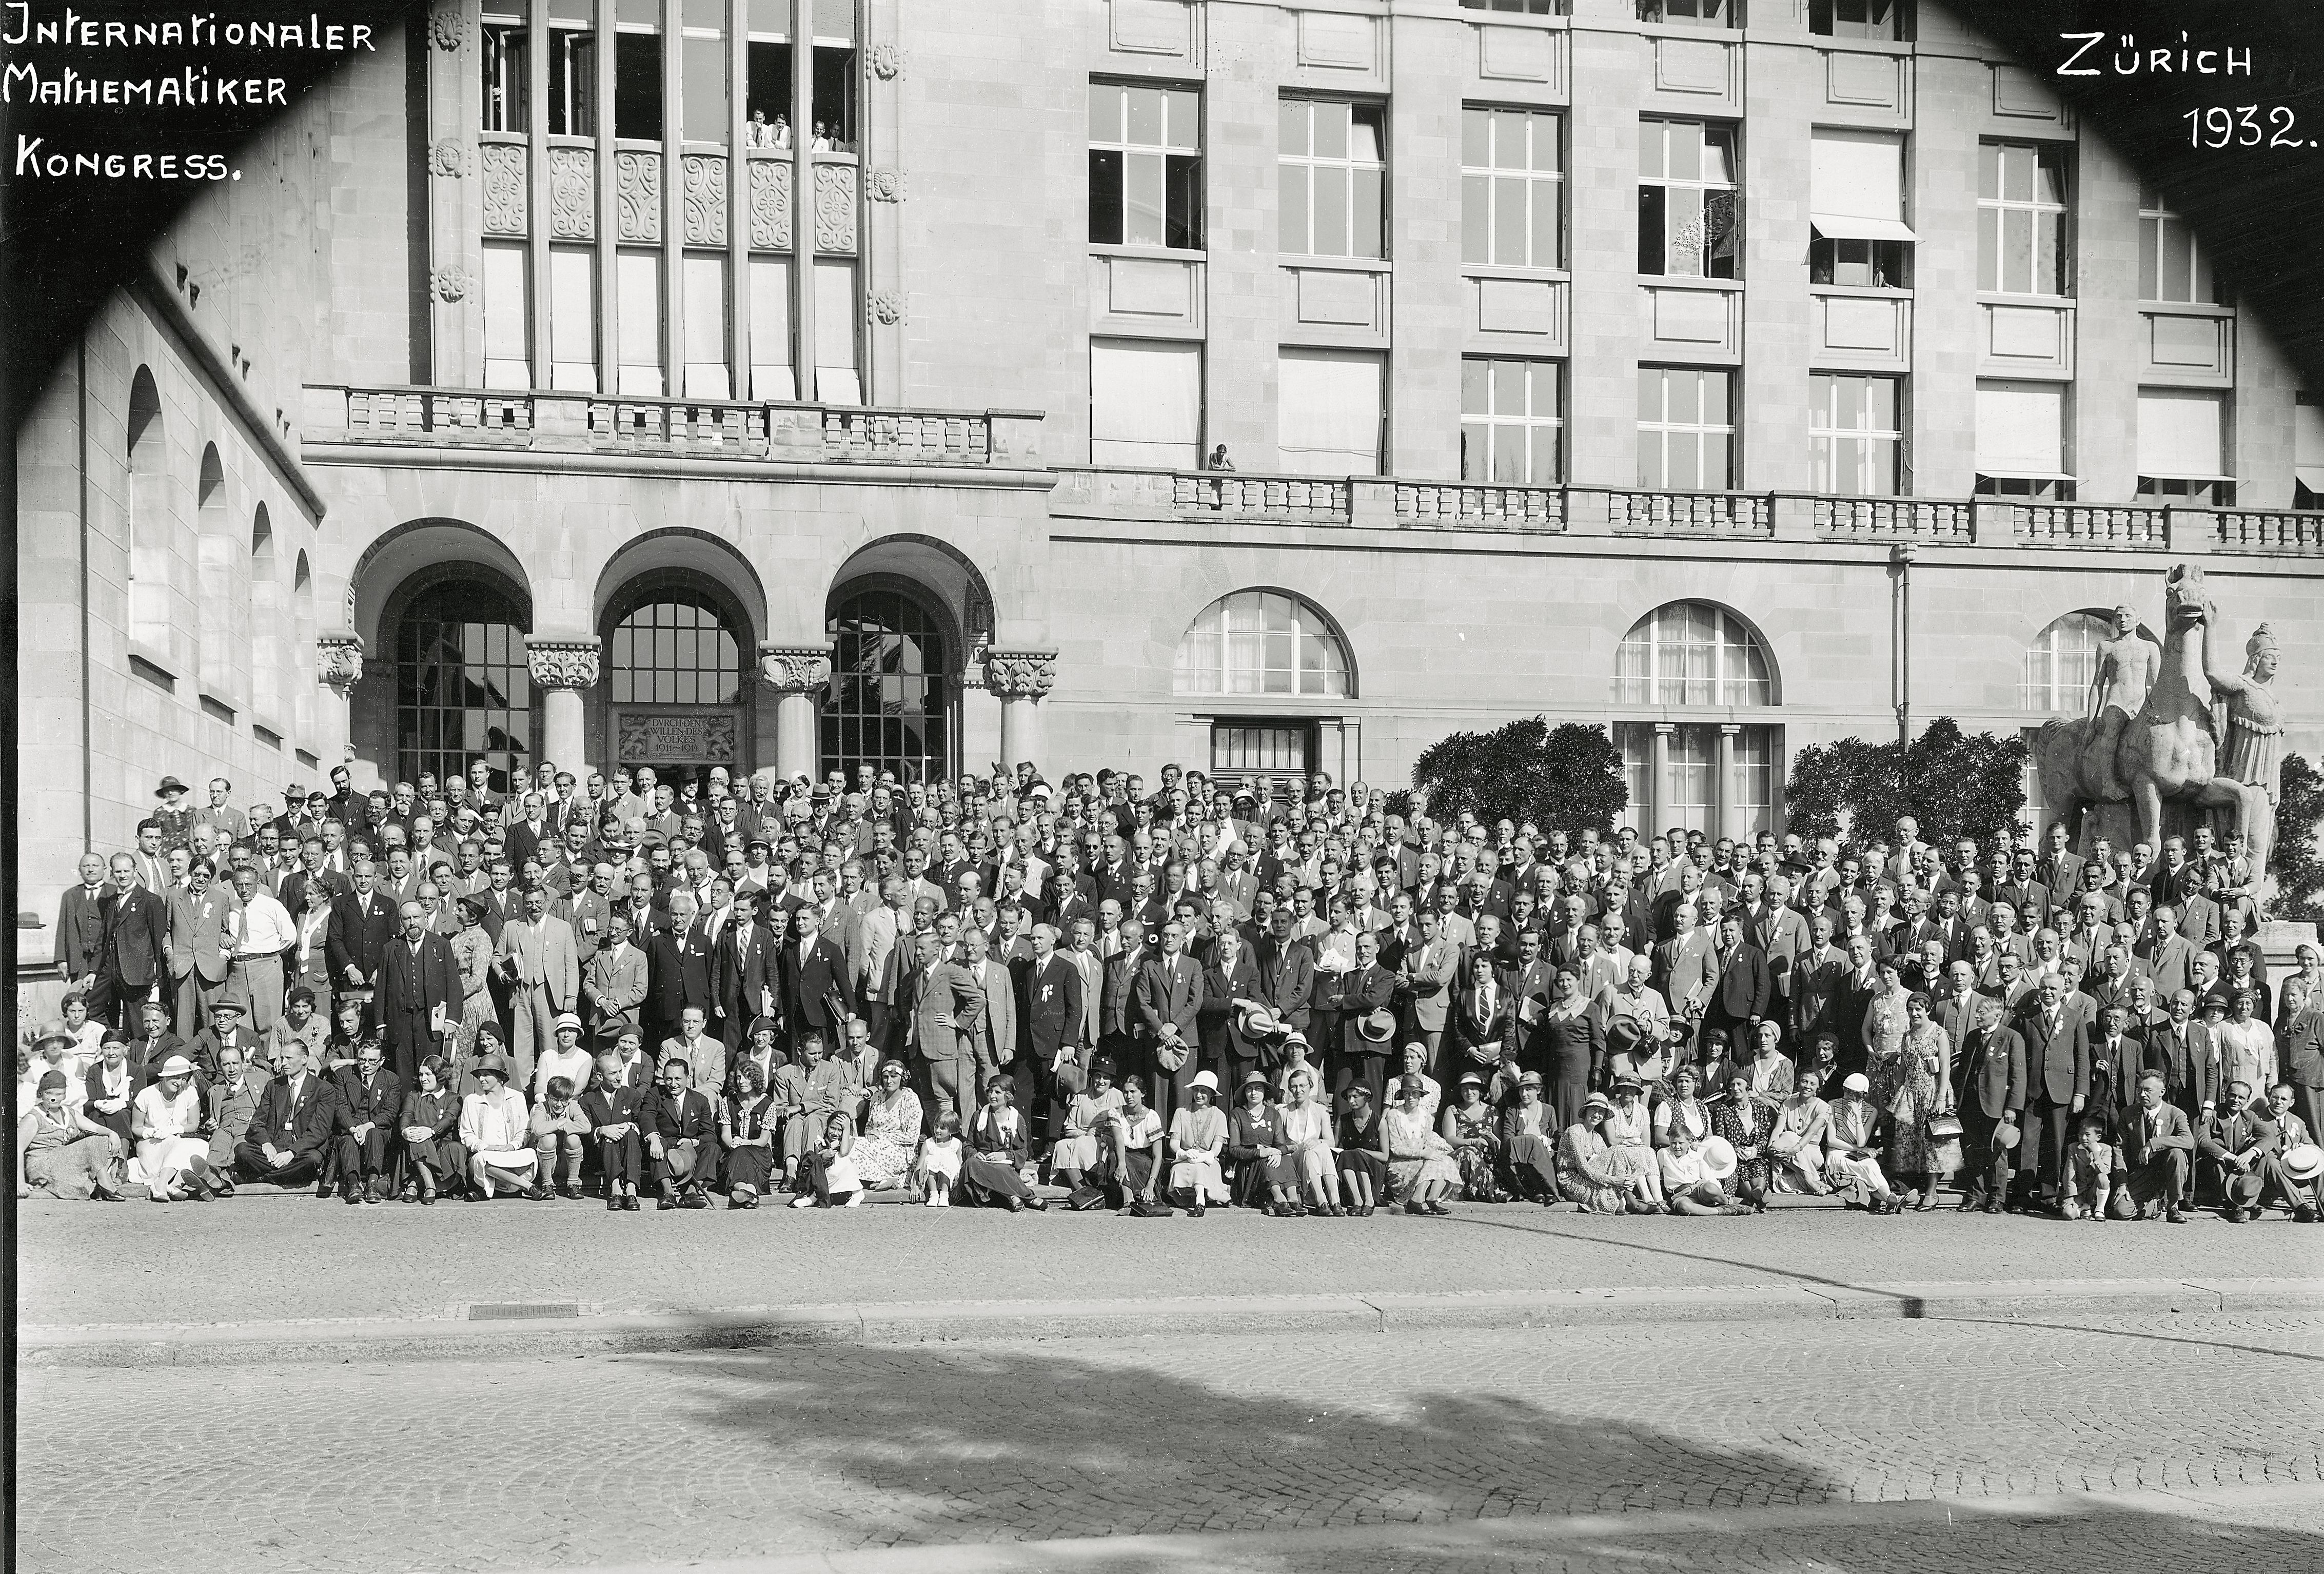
(269, 1256)
(1277, 1453)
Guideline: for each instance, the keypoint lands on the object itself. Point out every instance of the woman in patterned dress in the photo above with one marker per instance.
(891, 1132)
(1912, 1086)
(472, 948)
(1590, 1173)
(1747, 1122)
(1473, 1129)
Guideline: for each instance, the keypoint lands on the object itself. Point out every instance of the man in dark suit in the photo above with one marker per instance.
(2236, 1141)
(133, 952)
(365, 1114)
(748, 970)
(1118, 1000)
(80, 933)
(1352, 999)
(284, 1143)
(361, 923)
(2058, 1077)
(2156, 1150)
(1741, 986)
(1990, 1072)
(1286, 971)
(2117, 1062)
(698, 960)
(817, 996)
(1053, 1014)
(419, 1002)
(1169, 1003)
(2186, 1053)
(681, 1138)
(1229, 973)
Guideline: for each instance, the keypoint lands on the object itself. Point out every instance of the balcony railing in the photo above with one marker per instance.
(2133, 527)
(1471, 506)
(1261, 497)
(1724, 514)
(2265, 531)
(585, 423)
(1893, 518)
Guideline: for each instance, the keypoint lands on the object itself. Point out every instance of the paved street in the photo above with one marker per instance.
(1445, 1449)
(266, 1256)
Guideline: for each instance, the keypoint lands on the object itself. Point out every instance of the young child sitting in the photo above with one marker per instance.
(2089, 1174)
(938, 1167)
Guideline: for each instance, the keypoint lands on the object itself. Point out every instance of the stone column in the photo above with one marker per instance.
(564, 667)
(1722, 789)
(339, 667)
(798, 674)
(1658, 781)
(1020, 679)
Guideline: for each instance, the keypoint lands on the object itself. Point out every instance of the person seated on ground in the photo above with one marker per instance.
(1130, 1165)
(2156, 1155)
(567, 1059)
(2236, 1142)
(1199, 1133)
(1420, 1167)
(1529, 1142)
(830, 1176)
(704, 1056)
(1681, 1126)
(1263, 1177)
(1769, 1072)
(2291, 1171)
(61, 1153)
(744, 1133)
(759, 1047)
(2091, 1165)
(289, 1136)
(1802, 1122)
(997, 1153)
(1746, 1122)
(155, 1043)
(1473, 1130)
(1298, 1055)
(494, 1134)
(680, 1132)
(891, 1131)
(430, 1125)
(936, 1170)
(1075, 1153)
(1592, 1174)
(230, 1106)
(1307, 1141)
(834, 1086)
(1631, 1129)
(1852, 1149)
(556, 1126)
(368, 1107)
(1362, 1150)
(54, 1050)
(110, 1085)
(612, 1105)
(166, 1122)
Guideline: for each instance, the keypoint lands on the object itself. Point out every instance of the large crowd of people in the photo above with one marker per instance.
(1007, 992)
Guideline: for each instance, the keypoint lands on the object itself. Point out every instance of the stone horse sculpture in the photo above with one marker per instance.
(2167, 764)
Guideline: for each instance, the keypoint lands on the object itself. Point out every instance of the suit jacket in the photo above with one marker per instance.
(302, 1126)
(1286, 979)
(2170, 963)
(559, 956)
(357, 1102)
(1054, 1011)
(1742, 986)
(1221, 986)
(809, 981)
(747, 975)
(2135, 1145)
(689, 1116)
(137, 937)
(924, 994)
(1684, 968)
(614, 985)
(1434, 971)
(1478, 1036)
(1358, 992)
(1991, 1071)
(361, 927)
(198, 942)
(2118, 1066)
(697, 967)
(2058, 1057)
(996, 1028)
(1170, 991)
(2235, 1131)
(2188, 1061)
(411, 988)
(81, 931)
(1118, 995)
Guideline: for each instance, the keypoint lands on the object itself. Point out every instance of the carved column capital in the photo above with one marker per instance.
(562, 661)
(339, 660)
(1026, 675)
(795, 668)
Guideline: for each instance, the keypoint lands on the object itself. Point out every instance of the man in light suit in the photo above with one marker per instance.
(537, 958)
(200, 946)
(2169, 956)
(996, 1027)
(1168, 1006)
(2156, 1150)
(613, 983)
(2058, 1077)
(943, 1003)
(1436, 969)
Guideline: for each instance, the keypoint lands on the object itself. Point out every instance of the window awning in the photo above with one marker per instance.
(2003, 473)
(2312, 476)
(2179, 433)
(1846, 226)
(2021, 431)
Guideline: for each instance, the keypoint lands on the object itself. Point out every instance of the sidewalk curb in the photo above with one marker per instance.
(876, 1324)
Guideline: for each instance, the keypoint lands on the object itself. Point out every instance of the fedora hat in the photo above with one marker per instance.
(1718, 1157)
(2304, 1162)
(1257, 1022)
(1377, 1027)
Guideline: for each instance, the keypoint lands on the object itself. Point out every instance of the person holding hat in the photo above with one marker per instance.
(1590, 1173)
(1471, 1127)
(1420, 1165)
(1199, 1135)
(1992, 1101)
(494, 1134)
(60, 1152)
(1854, 1141)
(2294, 1172)
(2236, 1142)
(1746, 1122)
(1361, 1000)
(170, 1148)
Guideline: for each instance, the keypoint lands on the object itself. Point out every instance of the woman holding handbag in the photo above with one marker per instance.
(1925, 1141)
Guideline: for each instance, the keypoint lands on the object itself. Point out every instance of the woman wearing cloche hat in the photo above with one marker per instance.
(59, 1151)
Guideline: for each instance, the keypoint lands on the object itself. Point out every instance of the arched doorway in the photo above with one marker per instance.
(462, 690)
(893, 702)
(677, 676)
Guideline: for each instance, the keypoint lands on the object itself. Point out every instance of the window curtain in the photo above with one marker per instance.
(1329, 403)
(1145, 404)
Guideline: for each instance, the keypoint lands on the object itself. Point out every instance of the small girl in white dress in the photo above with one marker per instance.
(939, 1162)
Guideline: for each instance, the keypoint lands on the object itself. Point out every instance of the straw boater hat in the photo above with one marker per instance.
(1717, 1158)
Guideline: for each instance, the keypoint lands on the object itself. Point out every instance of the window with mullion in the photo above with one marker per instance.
(1510, 421)
(1687, 199)
(507, 76)
(2172, 265)
(1686, 429)
(1332, 179)
(1854, 435)
(1146, 166)
(1511, 180)
(2021, 220)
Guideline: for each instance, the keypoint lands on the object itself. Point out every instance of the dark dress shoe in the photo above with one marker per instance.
(536, 1194)
(1195, 1210)
(613, 1203)
(2175, 1217)
(349, 1197)
(573, 1190)
(1016, 1204)
(663, 1205)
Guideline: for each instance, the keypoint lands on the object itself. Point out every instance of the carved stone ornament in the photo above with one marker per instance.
(562, 663)
(834, 207)
(887, 61)
(339, 662)
(449, 158)
(451, 282)
(885, 184)
(770, 205)
(506, 200)
(885, 307)
(701, 199)
(795, 668)
(637, 196)
(1020, 674)
(447, 25)
(572, 194)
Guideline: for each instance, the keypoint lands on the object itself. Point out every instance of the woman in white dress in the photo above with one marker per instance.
(1307, 1138)
(1075, 1153)
(1421, 1170)
(1630, 1132)
(1797, 1144)
(1198, 1136)
(167, 1125)
(1681, 1126)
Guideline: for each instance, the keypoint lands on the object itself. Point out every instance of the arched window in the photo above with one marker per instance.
(675, 650)
(1261, 642)
(149, 515)
(267, 632)
(1716, 778)
(1691, 653)
(2061, 662)
(463, 689)
(222, 609)
(303, 677)
(892, 684)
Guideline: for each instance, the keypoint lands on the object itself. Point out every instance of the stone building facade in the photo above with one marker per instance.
(1736, 387)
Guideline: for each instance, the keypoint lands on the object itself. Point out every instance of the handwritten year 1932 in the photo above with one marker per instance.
(2244, 125)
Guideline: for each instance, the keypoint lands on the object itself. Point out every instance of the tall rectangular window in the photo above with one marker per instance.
(1145, 166)
(638, 313)
(1637, 742)
(2020, 440)
(1146, 403)
(2172, 265)
(1333, 178)
(1887, 20)
(1855, 210)
(1511, 183)
(1687, 199)
(771, 362)
(507, 76)
(508, 316)
(1510, 421)
(837, 76)
(706, 374)
(573, 68)
(2308, 451)
(1686, 429)
(767, 60)
(1854, 436)
(573, 319)
(1328, 409)
(703, 101)
(2182, 446)
(2021, 220)
(837, 377)
(1750, 806)
(637, 70)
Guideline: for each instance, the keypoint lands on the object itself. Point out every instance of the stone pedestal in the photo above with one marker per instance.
(563, 668)
(798, 674)
(338, 666)
(1020, 680)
